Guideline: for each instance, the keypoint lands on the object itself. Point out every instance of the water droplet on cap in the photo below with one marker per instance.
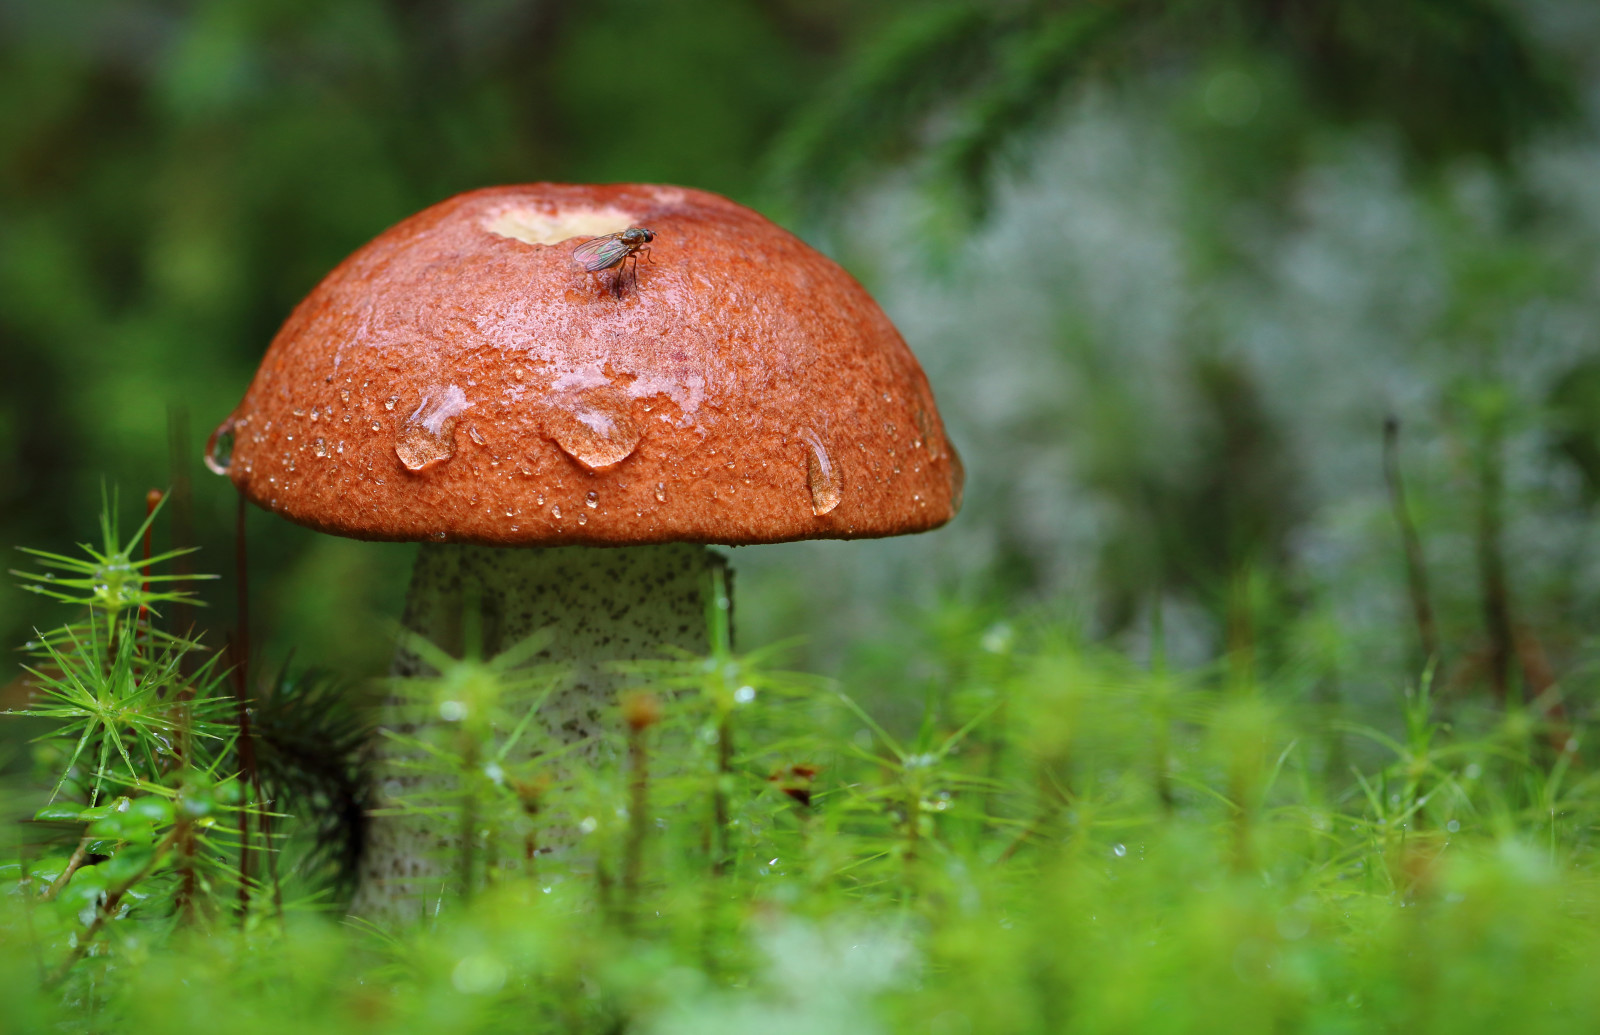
(219, 448)
(428, 436)
(418, 448)
(592, 500)
(661, 492)
(821, 476)
(594, 428)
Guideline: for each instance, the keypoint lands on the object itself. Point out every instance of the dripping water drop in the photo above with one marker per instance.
(821, 476)
(219, 448)
(595, 430)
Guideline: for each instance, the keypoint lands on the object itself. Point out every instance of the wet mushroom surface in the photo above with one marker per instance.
(461, 379)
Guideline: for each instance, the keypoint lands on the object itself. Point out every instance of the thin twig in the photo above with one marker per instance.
(719, 607)
(469, 844)
(108, 906)
(719, 796)
(264, 824)
(1416, 565)
(180, 517)
(78, 856)
(638, 819)
(1161, 742)
(241, 689)
(152, 500)
(1492, 564)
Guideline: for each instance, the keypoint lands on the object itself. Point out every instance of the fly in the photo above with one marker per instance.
(613, 252)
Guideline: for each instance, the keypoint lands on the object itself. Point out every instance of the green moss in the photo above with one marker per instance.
(1064, 841)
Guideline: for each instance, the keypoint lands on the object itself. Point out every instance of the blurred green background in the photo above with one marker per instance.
(174, 177)
(1170, 267)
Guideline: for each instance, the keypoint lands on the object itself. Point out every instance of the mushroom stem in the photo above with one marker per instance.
(602, 604)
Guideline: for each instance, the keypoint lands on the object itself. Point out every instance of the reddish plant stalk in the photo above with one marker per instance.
(241, 695)
(719, 798)
(152, 500)
(638, 822)
(180, 516)
(640, 711)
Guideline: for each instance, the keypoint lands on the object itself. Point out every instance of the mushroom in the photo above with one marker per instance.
(461, 382)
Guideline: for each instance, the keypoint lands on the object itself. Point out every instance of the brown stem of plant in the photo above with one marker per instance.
(1161, 742)
(1243, 816)
(186, 897)
(469, 844)
(530, 793)
(530, 855)
(602, 881)
(638, 822)
(913, 807)
(78, 856)
(152, 500)
(1055, 801)
(719, 627)
(1161, 749)
(264, 825)
(108, 905)
(1492, 565)
(1028, 833)
(1416, 566)
(1539, 680)
(241, 696)
(719, 796)
(180, 516)
(1021, 839)
(1241, 630)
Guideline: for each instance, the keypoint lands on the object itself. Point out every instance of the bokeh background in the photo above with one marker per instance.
(1171, 267)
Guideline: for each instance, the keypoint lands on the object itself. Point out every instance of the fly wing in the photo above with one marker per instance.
(601, 253)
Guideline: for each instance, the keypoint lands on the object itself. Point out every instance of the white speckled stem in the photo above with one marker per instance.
(603, 605)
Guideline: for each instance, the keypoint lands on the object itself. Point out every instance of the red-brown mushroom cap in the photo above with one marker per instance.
(461, 378)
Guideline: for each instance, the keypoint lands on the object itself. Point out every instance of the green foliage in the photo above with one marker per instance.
(1063, 841)
(472, 718)
(963, 82)
(138, 745)
(311, 728)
